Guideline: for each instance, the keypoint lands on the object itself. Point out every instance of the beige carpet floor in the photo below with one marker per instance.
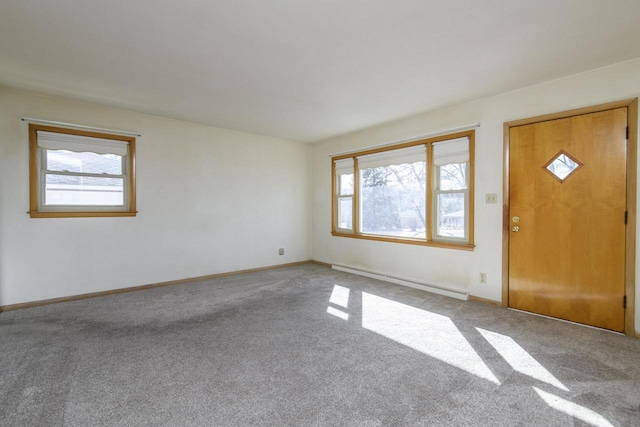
(308, 346)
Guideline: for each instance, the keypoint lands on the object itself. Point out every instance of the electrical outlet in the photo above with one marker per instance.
(491, 198)
(483, 277)
(281, 251)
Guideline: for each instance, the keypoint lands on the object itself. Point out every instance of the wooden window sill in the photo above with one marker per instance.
(447, 245)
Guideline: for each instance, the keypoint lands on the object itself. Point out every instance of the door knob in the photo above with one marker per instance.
(515, 228)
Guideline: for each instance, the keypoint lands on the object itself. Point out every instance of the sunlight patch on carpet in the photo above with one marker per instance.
(429, 333)
(518, 358)
(573, 409)
(340, 296)
(338, 313)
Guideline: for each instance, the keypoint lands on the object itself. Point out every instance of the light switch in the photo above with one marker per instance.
(492, 198)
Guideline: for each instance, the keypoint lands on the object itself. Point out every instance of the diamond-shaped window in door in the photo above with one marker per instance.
(562, 166)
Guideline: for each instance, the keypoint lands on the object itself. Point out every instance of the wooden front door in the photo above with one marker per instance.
(567, 214)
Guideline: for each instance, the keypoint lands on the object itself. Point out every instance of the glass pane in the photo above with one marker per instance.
(64, 190)
(451, 151)
(69, 161)
(345, 213)
(452, 176)
(346, 184)
(562, 166)
(392, 200)
(450, 215)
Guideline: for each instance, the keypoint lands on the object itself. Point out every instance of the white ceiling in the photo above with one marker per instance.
(304, 69)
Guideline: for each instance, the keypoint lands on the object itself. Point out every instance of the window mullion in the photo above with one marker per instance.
(334, 197)
(81, 174)
(463, 190)
(429, 193)
(471, 190)
(356, 197)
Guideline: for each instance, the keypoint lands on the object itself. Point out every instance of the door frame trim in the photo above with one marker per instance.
(630, 236)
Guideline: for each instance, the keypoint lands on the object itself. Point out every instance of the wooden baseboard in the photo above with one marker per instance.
(39, 303)
(485, 301)
(324, 264)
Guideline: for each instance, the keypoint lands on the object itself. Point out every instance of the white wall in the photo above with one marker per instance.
(213, 200)
(448, 266)
(210, 200)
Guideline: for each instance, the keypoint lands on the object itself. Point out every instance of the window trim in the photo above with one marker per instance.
(429, 196)
(35, 183)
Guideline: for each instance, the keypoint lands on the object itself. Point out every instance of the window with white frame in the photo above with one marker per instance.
(80, 173)
(451, 190)
(344, 205)
(419, 192)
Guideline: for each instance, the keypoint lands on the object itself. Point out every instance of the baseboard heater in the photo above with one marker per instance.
(403, 281)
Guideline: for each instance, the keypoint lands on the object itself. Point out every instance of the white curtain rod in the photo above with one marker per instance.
(71, 125)
(412, 138)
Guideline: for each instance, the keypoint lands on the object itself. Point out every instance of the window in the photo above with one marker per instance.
(451, 189)
(344, 174)
(419, 192)
(76, 173)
